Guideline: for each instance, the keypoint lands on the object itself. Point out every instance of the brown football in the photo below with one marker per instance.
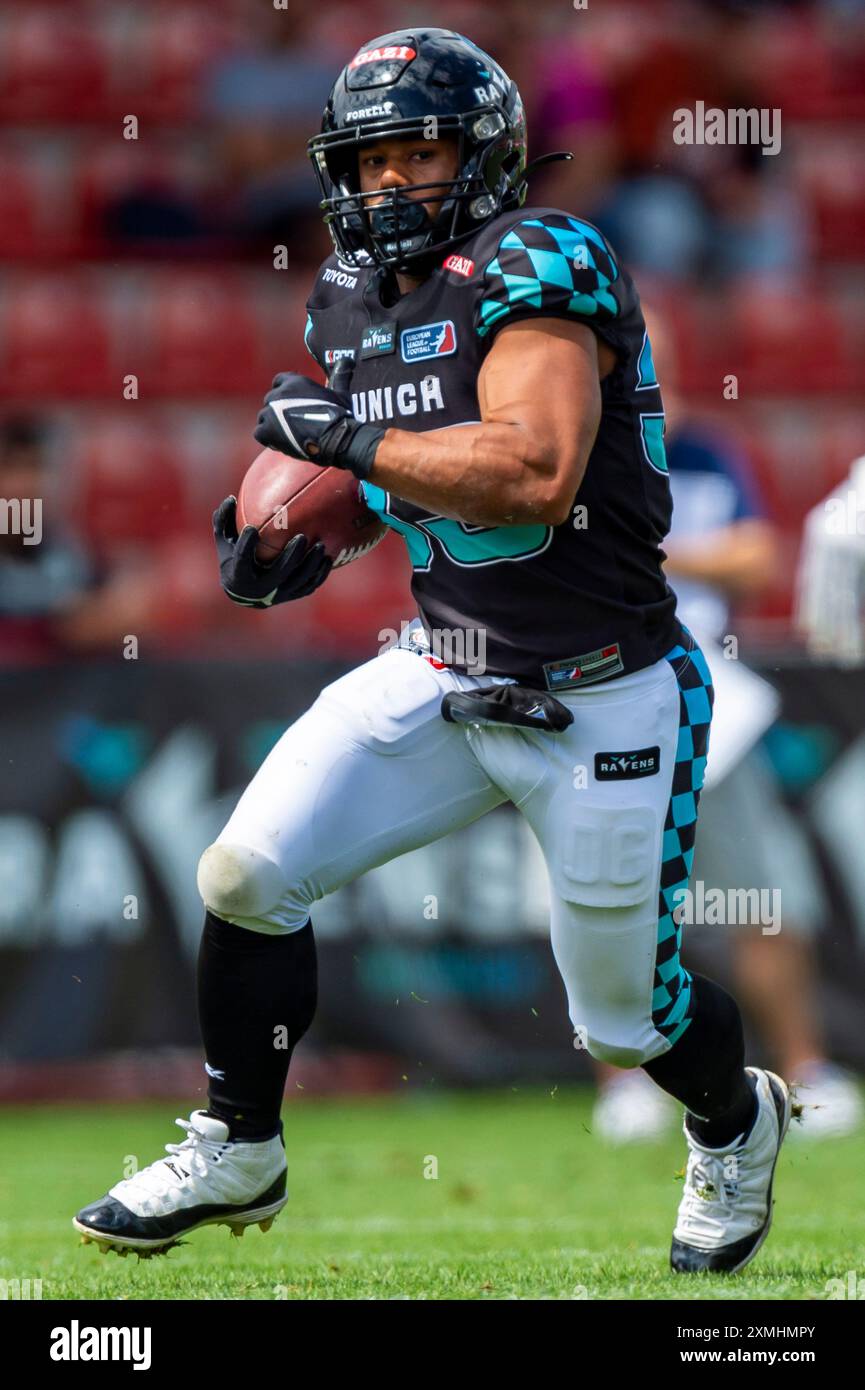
(286, 497)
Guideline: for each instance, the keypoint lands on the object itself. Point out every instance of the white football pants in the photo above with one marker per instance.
(372, 770)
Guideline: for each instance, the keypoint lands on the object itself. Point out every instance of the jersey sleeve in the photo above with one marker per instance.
(553, 266)
(307, 337)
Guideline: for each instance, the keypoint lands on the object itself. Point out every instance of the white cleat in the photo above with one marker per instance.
(726, 1207)
(631, 1108)
(209, 1179)
(831, 1102)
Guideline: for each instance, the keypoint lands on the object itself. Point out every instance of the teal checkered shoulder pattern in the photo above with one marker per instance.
(554, 264)
(672, 998)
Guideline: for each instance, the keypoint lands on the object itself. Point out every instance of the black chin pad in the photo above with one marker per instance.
(407, 218)
(507, 704)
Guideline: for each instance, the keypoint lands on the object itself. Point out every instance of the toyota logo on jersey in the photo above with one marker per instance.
(430, 340)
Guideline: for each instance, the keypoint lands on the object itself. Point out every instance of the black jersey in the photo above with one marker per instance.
(555, 606)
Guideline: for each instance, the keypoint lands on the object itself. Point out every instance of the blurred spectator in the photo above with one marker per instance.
(150, 209)
(266, 100)
(56, 599)
(44, 570)
(722, 548)
(228, 95)
(830, 583)
(699, 210)
(552, 56)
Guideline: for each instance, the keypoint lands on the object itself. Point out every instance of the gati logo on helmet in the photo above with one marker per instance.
(383, 55)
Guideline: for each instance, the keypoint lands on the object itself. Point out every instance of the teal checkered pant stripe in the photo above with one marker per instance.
(672, 997)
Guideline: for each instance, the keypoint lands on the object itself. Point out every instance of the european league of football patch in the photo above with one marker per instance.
(583, 670)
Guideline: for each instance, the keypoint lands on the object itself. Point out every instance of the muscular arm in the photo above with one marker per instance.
(540, 401)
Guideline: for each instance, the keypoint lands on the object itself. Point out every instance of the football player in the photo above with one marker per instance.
(505, 418)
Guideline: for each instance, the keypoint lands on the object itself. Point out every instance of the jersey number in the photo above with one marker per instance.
(462, 543)
(651, 421)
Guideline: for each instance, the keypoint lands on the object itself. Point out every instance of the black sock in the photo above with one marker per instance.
(739, 1119)
(256, 998)
(705, 1068)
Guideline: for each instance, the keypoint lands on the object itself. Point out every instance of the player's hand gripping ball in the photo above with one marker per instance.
(298, 570)
(312, 422)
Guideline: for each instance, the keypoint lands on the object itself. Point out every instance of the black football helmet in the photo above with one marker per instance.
(429, 82)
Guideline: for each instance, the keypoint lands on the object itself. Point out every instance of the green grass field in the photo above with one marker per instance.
(527, 1204)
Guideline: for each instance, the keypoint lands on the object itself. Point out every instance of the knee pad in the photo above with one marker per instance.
(237, 881)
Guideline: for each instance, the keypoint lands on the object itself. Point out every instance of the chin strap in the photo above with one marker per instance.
(385, 276)
(536, 164)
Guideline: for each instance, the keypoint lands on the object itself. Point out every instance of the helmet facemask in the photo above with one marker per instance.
(391, 226)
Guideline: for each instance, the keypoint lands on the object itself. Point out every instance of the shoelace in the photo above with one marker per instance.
(709, 1191)
(154, 1178)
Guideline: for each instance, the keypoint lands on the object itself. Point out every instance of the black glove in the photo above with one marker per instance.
(507, 704)
(294, 574)
(311, 422)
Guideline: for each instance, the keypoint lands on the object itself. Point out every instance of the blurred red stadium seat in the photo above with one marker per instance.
(834, 179)
(813, 66)
(19, 201)
(229, 453)
(54, 339)
(203, 336)
(789, 342)
(53, 66)
(702, 334)
(175, 47)
(801, 451)
(40, 213)
(363, 599)
(284, 325)
(130, 485)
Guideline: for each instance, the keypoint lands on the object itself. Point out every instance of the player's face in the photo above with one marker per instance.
(407, 160)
